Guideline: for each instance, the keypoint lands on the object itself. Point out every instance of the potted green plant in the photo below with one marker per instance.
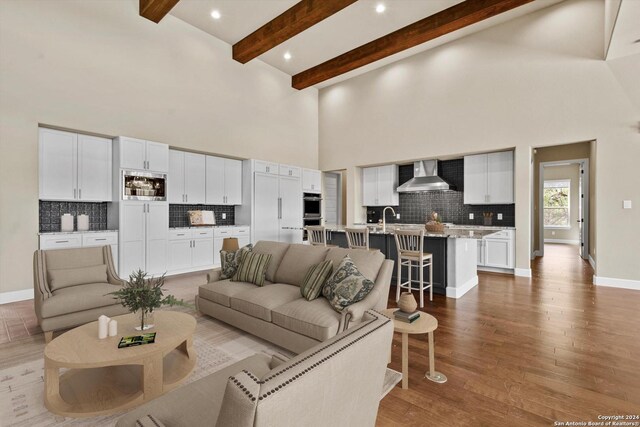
(142, 294)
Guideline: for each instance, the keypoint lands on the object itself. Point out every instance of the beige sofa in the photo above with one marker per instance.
(71, 287)
(277, 312)
(335, 383)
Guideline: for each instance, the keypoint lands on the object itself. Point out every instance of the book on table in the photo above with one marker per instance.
(398, 314)
(403, 320)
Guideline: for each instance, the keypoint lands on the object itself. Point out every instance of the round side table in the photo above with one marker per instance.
(426, 324)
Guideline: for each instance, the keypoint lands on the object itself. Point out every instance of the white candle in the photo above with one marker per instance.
(113, 328)
(103, 324)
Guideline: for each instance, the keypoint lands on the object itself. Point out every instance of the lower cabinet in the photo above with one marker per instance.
(82, 240)
(497, 250)
(240, 232)
(190, 250)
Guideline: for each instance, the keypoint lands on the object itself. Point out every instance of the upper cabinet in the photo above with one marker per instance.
(311, 181)
(379, 186)
(74, 167)
(186, 181)
(488, 179)
(139, 154)
(224, 181)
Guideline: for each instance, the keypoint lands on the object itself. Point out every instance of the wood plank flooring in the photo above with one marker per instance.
(525, 352)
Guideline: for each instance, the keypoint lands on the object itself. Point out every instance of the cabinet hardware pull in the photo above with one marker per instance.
(80, 193)
(100, 240)
(62, 241)
(74, 193)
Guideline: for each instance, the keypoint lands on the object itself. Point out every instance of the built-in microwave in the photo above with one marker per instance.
(138, 185)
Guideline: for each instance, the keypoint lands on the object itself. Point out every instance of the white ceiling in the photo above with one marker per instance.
(353, 26)
(625, 39)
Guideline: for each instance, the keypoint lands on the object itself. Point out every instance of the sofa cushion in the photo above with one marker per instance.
(368, 262)
(65, 277)
(315, 319)
(229, 261)
(221, 291)
(252, 268)
(347, 286)
(276, 250)
(259, 302)
(79, 298)
(297, 262)
(315, 279)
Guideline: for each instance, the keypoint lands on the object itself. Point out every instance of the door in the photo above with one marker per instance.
(475, 179)
(132, 237)
(267, 207)
(499, 177)
(497, 253)
(58, 165)
(157, 228)
(157, 155)
(215, 180)
(387, 186)
(179, 254)
(194, 178)
(132, 153)
(331, 198)
(583, 209)
(233, 182)
(370, 187)
(202, 252)
(94, 169)
(290, 209)
(175, 184)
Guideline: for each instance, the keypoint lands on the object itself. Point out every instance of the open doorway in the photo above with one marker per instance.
(334, 182)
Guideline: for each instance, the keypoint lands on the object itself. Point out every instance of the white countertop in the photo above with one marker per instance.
(44, 233)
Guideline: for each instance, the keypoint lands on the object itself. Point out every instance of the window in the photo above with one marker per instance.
(556, 203)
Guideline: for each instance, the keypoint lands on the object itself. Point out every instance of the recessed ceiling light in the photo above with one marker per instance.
(215, 14)
(380, 8)
(287, 56)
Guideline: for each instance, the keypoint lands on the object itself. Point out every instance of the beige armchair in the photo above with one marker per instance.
(71, 287)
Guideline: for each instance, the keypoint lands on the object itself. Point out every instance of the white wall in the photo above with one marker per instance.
(98, 66)
(537, 80)
(572, 173)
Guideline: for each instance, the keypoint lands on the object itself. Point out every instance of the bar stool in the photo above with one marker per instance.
(410, 244)
(357, 238)
(317, 235)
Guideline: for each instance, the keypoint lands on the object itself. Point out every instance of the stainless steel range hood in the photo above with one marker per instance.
(425, 178)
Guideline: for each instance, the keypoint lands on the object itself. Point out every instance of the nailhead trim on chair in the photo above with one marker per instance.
(278, 387)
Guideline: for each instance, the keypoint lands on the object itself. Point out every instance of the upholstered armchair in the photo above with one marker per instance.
(71, 287)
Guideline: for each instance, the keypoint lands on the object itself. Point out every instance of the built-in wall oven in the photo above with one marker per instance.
(137, 185)
(312, 213)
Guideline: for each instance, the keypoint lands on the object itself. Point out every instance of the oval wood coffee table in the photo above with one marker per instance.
(102, 378)
(426, 324)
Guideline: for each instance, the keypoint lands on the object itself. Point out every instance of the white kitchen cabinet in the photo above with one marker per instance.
(82, 240)
(488, 178)
(480, 251)
(139, 154)
(286, 170)
(380, 186)
(74, 167)
(265, 167)
(190, 249)
(290, 210)
(202, 252)
(241, 233)
(143, 237)
(224, 181)
(497, 250)
(311, 181)
(266, 200)
(186, 177)
(179, 255)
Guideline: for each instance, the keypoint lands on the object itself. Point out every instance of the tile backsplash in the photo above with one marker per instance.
(178, 216)
(414, 207)
(50, 213)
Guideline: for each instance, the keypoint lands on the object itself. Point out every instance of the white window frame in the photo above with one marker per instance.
(568, 182)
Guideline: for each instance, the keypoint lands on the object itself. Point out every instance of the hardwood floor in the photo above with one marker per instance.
(525, 352)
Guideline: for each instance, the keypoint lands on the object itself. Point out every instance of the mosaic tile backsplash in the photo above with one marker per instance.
(414, 207)
(50, 213)
(178, 216)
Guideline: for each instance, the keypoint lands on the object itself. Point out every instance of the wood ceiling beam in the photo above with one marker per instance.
(155, 10)
(446, 21)
(293, 21)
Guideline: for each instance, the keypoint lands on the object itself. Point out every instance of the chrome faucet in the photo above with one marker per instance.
(384, 218)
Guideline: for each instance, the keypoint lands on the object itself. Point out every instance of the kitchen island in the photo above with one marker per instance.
(454, 255)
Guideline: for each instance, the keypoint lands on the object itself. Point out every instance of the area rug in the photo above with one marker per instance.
(217, 345)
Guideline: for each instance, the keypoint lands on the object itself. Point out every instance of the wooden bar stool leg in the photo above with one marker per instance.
(399, 279)
(421, 284)
(431, 281)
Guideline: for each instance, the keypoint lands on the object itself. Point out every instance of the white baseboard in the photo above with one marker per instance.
(616, 283)
(522, 272)
(14, 296)
(563, 241)
(459, 291)
(593, 263)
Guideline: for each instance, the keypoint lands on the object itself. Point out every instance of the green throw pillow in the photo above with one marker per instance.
(315, 279)
(252, 268)
(347, 286)
(229, 261)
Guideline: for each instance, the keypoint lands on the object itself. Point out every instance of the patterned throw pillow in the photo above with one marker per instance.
(252, 268)
(347, 286)
(315, 279)
(229, 261)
